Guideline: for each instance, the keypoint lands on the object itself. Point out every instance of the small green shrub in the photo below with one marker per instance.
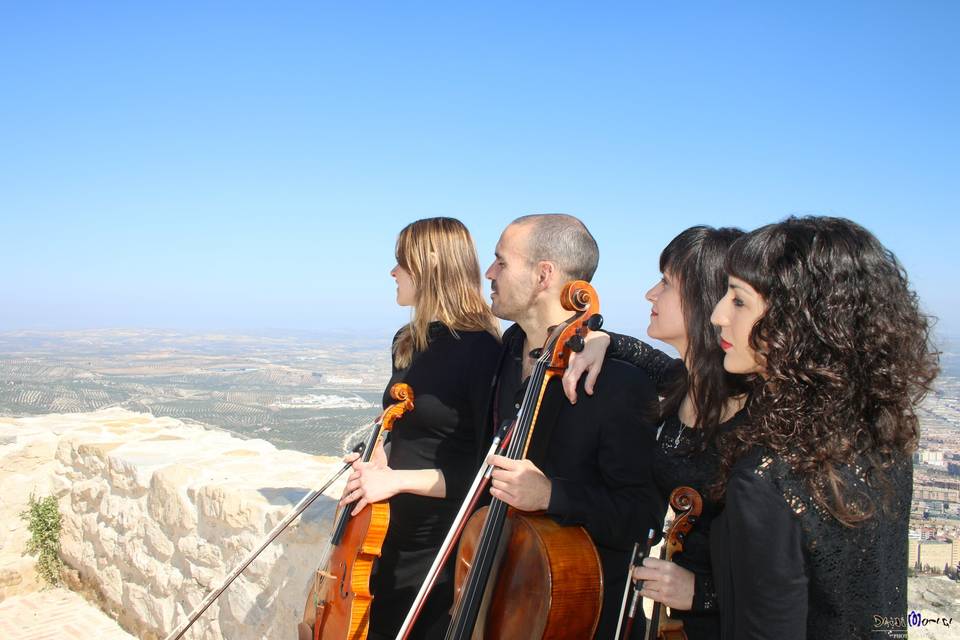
(44, 523)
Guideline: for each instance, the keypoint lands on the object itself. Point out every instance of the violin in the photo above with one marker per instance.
(339, 603)
(687, 504)
(547, 577)
(404, 395)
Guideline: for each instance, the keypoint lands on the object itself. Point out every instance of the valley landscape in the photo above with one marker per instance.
(295, 390)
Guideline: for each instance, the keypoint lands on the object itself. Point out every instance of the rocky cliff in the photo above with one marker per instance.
(157, 512)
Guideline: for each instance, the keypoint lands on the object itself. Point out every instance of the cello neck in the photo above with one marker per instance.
(581, 299)
(489, 545)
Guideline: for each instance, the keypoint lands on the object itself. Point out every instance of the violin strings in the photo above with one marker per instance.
(344, 516)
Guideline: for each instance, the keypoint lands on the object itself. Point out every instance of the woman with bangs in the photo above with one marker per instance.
(447, 353)
(700, 401)
(812, 542)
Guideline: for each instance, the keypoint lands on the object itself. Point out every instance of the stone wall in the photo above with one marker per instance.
(157, 513)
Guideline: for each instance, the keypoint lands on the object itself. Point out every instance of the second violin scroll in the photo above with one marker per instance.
(687, 504)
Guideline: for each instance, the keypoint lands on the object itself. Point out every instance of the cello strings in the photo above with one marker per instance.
(499, 445)
(484, 554)
(497, 511)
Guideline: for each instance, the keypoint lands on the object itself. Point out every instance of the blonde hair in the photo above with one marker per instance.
(441, 258)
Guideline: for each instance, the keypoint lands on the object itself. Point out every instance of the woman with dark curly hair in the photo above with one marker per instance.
(813, 537)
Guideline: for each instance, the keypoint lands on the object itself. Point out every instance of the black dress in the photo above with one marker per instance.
(451, 382)
(787, 569)
(681, 459)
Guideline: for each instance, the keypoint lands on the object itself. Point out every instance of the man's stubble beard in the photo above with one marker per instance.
(513, 313)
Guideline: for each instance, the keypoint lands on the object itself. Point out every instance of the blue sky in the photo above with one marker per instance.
(248, 165)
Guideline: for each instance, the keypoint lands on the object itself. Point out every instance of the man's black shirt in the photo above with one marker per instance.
(597, 454)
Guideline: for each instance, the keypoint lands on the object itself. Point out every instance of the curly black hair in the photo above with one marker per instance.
(846, 356)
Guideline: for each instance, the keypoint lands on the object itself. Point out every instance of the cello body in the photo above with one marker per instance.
(521, 575)
(537, 552)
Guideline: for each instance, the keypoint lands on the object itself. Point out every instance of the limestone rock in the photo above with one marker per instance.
(156, 513)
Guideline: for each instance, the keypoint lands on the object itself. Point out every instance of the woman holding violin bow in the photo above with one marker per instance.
(809, 465)
(447, 354)
(700, 400)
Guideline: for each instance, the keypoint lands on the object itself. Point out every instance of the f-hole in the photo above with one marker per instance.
(343, 580)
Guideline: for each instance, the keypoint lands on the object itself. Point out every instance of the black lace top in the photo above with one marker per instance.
(785, 568)
(661, 368)
(681, 460)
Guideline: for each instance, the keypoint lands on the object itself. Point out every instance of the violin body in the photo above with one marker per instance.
(671, 630)
(345, 612)
(551, 572)
(338, 606)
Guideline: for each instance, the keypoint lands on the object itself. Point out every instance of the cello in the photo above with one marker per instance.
(548, 576)
(687, 504)
(339, 602)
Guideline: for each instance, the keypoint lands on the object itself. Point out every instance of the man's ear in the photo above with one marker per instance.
(547, 272)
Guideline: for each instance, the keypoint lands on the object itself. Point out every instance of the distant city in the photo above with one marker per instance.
(935, 516)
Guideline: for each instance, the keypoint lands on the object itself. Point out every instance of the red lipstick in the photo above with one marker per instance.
(725, 345)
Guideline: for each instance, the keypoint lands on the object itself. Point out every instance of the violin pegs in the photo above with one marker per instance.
(594, 322)
(575, 343)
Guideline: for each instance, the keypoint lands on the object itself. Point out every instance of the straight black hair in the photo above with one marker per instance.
(695, 260)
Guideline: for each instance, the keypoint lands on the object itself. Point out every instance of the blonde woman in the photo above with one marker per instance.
(447, 353)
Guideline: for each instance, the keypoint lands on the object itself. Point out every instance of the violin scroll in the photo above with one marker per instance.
(401, 391)
(687, 504)
(403, 394)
